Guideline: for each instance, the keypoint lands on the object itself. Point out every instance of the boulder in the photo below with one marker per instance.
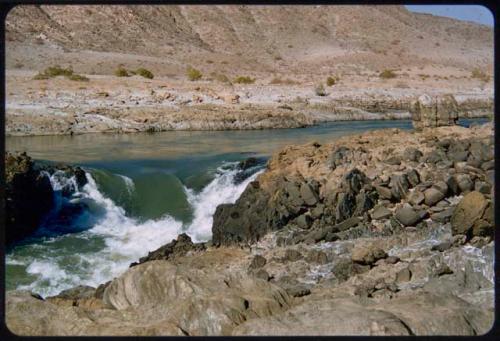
(308, 194)
(469, 210)
(432, 196)
(28, 197)
(367, 255)
(399, 186)
(257, 262)
(412, 154)
(407, 216)
(380, 212)
(435, 111)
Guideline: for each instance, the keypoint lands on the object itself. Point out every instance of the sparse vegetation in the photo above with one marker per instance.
(193, 74)
(78, 78)
(478, 74)
(121, 72)
(330, 81)
(386, 74)
(244, 80)
(144, 73)
(319, 90)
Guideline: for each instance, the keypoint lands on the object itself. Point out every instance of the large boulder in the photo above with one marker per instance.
(437, 111)
(468, 212)
(28, 194)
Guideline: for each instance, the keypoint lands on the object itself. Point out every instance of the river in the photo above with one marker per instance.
(143, 190)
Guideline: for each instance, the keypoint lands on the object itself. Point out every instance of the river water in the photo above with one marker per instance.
(143, 190)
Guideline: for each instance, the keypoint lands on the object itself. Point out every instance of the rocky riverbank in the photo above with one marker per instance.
(383, 233)
(110, 104)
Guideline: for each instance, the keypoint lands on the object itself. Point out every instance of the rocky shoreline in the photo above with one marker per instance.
(383, 233)
(111, 105)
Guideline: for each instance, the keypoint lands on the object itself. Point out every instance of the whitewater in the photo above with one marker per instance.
(121, 239)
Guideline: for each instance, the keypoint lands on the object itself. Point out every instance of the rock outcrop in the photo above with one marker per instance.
(430, 111)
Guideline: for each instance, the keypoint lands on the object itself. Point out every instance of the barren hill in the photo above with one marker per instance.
(299, 39)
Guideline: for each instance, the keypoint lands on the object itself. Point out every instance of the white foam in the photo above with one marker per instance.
(221, 190)
(129, 183)
(125, 239)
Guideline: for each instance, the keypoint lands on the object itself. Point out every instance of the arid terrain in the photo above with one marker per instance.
(287, 51)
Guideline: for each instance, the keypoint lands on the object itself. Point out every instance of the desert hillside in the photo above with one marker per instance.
(298, 39)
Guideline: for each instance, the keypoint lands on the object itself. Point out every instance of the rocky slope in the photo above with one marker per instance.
(287, 50)
(384, 233)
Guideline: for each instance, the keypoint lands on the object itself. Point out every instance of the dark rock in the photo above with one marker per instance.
(407, 216)
(28, 197)
(443, 216)
(257, 262)
(482, 187)
(468, 211)
(399, 186)
(384, 192)
(432, 196)
(458, 156)
(464, 182)
(483, 228)
(304, 221)
(176, 248)
(364, 202)
(380, 212)
(338, 157)
(345, 207)
(416, 198)
(346, 224)
(353, 181)
(413, 177)
(249, 163)
(308, 194)
(453, 185)
(412, 154)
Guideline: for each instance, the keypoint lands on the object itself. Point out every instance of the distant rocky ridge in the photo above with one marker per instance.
(382, 233)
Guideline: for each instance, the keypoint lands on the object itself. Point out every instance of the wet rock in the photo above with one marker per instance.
(380, 212)
(28, 197)
(407, 216)
(432, 196)
(176, 248)
(468, 211)
(249, 163)
(257, 262)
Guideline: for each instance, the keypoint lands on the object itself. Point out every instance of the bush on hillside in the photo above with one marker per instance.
(244, 80)
(386, 74)
(193, 74)
(144, 73)
(330, 81)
